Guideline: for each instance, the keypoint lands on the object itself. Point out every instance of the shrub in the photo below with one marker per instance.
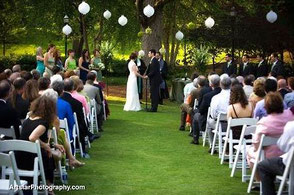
(27, 62)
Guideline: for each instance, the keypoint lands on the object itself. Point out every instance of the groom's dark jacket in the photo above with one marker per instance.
(153, 72)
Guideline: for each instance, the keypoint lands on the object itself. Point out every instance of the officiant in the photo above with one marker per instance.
(163, 72)
(142, 68)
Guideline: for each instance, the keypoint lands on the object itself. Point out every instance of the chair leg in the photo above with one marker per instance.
(236, 161)
(204, 136)
(213, 143)
(225, 147)
(244, 166)
(252, 176)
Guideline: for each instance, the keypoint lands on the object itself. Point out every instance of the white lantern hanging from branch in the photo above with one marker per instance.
(209, 22)
(107, 14)
(148, 11)
(122, 20)
(84, 8)
(179, 35)
(66, 30)
(271, 16)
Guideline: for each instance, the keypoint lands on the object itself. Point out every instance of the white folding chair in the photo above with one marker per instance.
(205, 136)
(289, 170)
(86, 121)
(8, 132)
(93, 119)
(229, 136)
(64, 125)
(26, 146)
(241, 148)
(195, 104)
(264, 141)
(218, 134)
(78, 135)
(8, 160)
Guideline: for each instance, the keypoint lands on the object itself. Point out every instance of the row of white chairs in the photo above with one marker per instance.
(240, 146)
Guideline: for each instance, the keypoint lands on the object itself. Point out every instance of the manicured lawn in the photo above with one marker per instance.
(144, 153)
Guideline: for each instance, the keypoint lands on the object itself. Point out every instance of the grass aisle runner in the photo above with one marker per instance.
(144, 153)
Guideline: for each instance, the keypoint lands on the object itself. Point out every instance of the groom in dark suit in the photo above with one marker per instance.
(153, 73)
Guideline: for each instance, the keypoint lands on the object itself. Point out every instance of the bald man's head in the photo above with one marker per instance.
(282, 84)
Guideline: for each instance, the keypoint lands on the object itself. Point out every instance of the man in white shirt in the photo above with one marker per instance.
(247, 86)
(189, 87)
(219, 103)
(268, 169)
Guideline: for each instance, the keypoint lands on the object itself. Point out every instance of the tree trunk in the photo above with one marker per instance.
(4, 47)
(85, 35)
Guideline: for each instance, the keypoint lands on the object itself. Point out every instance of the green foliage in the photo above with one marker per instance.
(118, 67)
(27, 62)
(200, 58)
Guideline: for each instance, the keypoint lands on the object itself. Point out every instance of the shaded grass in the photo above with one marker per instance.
(144, 153)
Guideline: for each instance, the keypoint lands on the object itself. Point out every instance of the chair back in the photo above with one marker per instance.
(19, 145)
(241, 121)
(268, 141)
(8, 132)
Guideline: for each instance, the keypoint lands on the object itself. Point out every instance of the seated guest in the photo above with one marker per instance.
(239, 107)
(219, 104)
(8, 72)
(247, 86)
(31, 91)
(258, 92)
(289, 98)
(269, 168)
(44, 83)
(282, 87)
(8, 114)
(26, 75)
(189, 87)
(16, 68)
(270, 125)
(42, 114)
(18, 103)
(94, 93)
(240, 79)
(64, 109)
(14, 76)
(75, 94)
(36, 75)
(269, 86)
(187, 108)
(234, 81)
(199, 118)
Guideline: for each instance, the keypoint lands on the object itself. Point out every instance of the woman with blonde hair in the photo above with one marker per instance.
(40, 61)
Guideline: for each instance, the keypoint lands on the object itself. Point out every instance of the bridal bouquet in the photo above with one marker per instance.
(100, 66)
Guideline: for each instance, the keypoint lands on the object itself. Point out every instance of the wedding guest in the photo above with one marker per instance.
(163, 72)
(13, 76)
(17, 102)
(31, 91)
(239, 108)
(199, 119)
(234, 81)
(35, 74)
(269, 168)
(189, 87)
(78, 87)
(245, 68)
(282, 87)
(42, 114)
(289, 97)
(230, 67)
(40, 61)
(270, 125)
(16, 68)
(277, 68)
(240, 79)
(7, 72)
(43, 84)
(8, 114)
(70, 62)
(49, 60)
(84, 62)
(26, 75)
(262, 68)
(69, 73)
(96, 61)
(247, 86)
(258, 92)
(187, 108)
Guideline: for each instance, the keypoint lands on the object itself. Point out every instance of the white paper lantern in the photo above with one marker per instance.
(209, 22)
(107, 14)
(148, 11)
(84, 8)
(179, 35)
(122, 20)
(271, 16)
(66, 30)
(141, 53)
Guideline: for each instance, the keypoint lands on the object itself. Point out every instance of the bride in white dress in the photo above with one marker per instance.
(133, 102)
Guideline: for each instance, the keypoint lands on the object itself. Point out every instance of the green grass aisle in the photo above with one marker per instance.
(144, 153)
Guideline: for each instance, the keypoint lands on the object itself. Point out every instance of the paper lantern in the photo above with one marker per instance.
(148, 11)
(209, 22)
(141, 53)
(179, 35)
(84, 8)
(122, 20)
(66, 29)
(271, 16)
(107, 14)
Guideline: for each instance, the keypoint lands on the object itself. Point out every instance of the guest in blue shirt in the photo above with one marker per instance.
(289, 97)
(63, 108)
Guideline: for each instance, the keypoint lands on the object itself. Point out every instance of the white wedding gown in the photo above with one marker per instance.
(133, 102)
